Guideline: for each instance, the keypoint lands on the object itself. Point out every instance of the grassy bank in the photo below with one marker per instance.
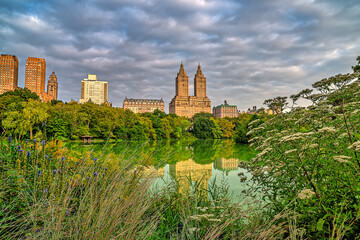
(49, 192)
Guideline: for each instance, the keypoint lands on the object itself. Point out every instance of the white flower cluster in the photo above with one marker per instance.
(343, 135)
(294, 137)
(254, 130)
(327, 129)
(194, 229)
(315, 145)
(299, 121)
(253, 122)
(203, 209)
(266, 142)
(352, 104)
(272, 131)
(267, 169)
(265, 151)
(253, 139)
(306, 193)
(290, 151)
(342, 158)
(356, 111)
(355, 146)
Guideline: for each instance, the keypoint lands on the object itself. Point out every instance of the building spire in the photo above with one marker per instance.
(182, 70)
(199, 70)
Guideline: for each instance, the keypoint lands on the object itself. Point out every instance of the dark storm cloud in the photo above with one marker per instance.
(249, 50)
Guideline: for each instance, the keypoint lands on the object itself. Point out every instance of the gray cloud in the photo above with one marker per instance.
(249, 50)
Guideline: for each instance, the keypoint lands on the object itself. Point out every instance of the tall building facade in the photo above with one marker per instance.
(9, 70)
(52, 86)
(183, 104)
(143, 105)
(225, 110)
(94, 90)
(35, 70)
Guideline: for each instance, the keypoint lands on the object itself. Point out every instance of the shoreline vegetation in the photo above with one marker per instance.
(24, 116)
(51, 192)
(307, 171)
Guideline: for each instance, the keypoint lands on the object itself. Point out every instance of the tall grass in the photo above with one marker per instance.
(53, 193)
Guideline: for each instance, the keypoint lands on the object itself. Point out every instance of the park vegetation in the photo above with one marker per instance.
(309, 160)
(51, 192)
(24, 116)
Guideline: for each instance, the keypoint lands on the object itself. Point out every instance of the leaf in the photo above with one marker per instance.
(320, 224)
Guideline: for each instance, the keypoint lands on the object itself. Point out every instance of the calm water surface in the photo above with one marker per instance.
(200, 161)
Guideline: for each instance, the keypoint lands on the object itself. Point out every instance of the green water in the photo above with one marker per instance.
(203, 161)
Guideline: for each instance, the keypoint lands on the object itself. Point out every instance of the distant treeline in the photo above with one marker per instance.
(23, 115)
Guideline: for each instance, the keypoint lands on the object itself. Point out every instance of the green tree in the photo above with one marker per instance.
(166, 128)
(137, 131)
(203, 127)
(356, 68)
(33, 113)
(226, 126)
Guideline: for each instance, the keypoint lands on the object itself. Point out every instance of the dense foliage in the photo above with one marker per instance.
(23, 116)
(309, 160)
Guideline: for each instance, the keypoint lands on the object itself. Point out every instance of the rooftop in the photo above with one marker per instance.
(142, 100)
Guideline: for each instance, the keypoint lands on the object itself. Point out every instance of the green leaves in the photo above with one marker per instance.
(320, 224)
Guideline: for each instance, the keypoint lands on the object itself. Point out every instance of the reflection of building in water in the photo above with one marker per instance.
(153, 172)
(183, 171)
(226, 164)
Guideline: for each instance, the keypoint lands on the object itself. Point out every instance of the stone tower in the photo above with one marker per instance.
(199, 83)
(184, 105)
(182, 83)
(52, 87)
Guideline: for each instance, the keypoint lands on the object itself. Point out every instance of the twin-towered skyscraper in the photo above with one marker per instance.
(35, 71)
(183, 104)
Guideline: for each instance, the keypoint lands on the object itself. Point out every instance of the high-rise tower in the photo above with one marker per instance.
(182, 82)
(94, 90)
(199, 83)
(52, 87)
(9, 69)
(35, 70)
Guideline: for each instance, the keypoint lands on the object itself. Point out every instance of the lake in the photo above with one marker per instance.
(201, 162)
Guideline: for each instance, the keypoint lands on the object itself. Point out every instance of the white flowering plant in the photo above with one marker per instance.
(313, 158)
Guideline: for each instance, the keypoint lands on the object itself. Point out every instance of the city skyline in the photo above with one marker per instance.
(250, 51)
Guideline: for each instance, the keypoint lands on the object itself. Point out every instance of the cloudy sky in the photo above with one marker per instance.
(249, 50)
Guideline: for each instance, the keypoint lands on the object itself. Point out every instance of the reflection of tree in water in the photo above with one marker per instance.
(244, 153)
(187, 173)
(206, 151)
(174, 152)
(160, 153)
